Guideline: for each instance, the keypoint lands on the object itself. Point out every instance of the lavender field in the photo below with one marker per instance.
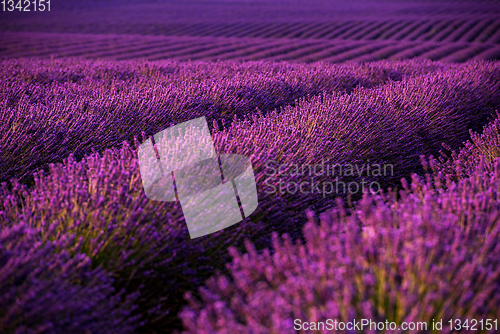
(414, 86)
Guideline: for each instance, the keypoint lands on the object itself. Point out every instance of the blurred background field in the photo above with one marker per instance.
(316, 30)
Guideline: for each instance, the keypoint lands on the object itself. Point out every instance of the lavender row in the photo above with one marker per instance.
(483, 145)
(391, 125)
(52, 108)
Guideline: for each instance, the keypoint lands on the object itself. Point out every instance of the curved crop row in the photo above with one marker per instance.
(430, 30)
(206, 48)
(361, 127)
(53, 108)
(482, 146)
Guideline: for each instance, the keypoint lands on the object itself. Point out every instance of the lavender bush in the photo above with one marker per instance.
(50, 287)
(144, 244)
(433, 254)
(485, 145)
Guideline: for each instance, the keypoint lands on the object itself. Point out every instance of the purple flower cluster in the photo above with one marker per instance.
(144, 244)
(432, 254)
(485, 145)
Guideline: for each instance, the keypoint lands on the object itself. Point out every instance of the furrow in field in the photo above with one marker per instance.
(311, 30)
(330, 51)
(266, 45)
(357, 27)
(146, 30)
(305, 51)
(357, 52)
(301, 49)
(221, 51)
(247, 30)
(472, 34)
(187, 30)
(314, 33)
(450, 27)
(212, 29)
(227, 30)
(328, 30)
(269, 31)
(362, 34)
(413, 52)
(19, 42)
(90, 48)
(231, 29)
(340, 30)
(237, 52)
(215, 30)
(348, 34)
(140, 49)
(96, 44)
(283, 31)
(471, 30)
(495, 38)
(136, 48)
(14, 49)
(295, 32)
(488, 32)
(278, 51)
(385, 52)
(466, 53)
(435, 30)
(425, 27)
(192, 30)
(178, 54)
(71, 50)
(157, 48)
(202, 45)
(459, 32)
(173, 30)
(443, 51)
(490, 54)
(407, 30)
(375, 33)
(394, 30)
